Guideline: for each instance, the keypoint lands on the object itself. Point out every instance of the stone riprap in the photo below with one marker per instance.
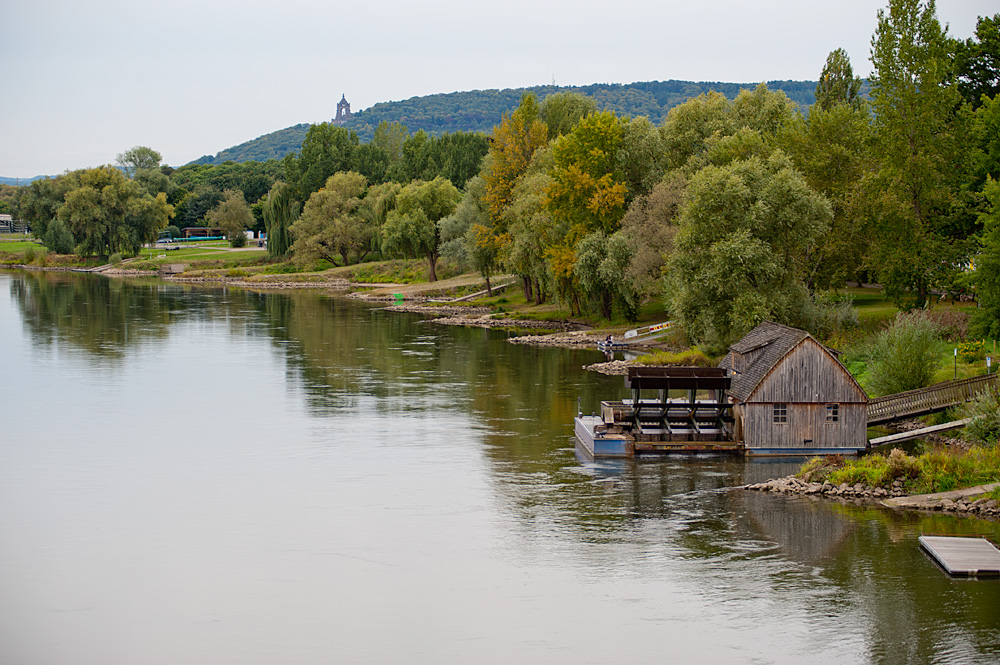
(969, 501)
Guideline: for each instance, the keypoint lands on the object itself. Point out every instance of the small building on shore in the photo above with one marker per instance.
(792, 396)
(202, 232)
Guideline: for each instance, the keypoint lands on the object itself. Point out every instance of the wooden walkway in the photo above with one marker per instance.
(960, 555)
(917, 433)
(931, 399)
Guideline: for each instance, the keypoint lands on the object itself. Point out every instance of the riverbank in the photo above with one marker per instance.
(952, 478)
(974, 500)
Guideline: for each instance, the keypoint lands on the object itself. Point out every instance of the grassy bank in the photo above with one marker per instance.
(940, 469)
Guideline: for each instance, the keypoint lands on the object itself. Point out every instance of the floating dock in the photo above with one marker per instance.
(963, 555)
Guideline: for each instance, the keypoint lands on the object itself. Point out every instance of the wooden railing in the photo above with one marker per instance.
(927, 400)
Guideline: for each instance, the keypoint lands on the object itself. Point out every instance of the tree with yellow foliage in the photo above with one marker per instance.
(512, 145)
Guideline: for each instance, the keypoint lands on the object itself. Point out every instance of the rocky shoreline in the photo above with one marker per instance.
(334, 284)
(613, 367)
(966, 501)
(571, 334)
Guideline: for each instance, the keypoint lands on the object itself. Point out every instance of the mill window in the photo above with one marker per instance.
(832, 413)
(780, 413)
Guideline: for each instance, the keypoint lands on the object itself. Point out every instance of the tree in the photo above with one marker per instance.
(137, 159)
(833, 150)
(586, 191)
(333, 223)
(532, 232)
(977, 62)
(689, 125)
(372, 162)
(411, 228)
(233, 216)
(109, 214)
(512, 145)
(280, 212)
(650, 226)
(41, 200)
(763, 110)
(9, 195)
(58, 237)
(739, 258)
(389, 137)
(379, 201)
(485, 250)
(985, 134)
(326, 150)
(459, 155)
(562, 110)
(456, 241)
(641, 159)
(601, 266)
(986, 319)
(837, 82)
(414, 161)
(917, 141)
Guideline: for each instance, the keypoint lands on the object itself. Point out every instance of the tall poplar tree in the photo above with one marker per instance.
(837, 82)
(914, 192)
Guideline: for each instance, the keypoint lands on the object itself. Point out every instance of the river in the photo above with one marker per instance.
(214, 476)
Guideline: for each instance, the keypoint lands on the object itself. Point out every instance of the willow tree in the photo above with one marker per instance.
(333, 224)
(411, 229)
(109, 214)
(280, 212)
(740, 254)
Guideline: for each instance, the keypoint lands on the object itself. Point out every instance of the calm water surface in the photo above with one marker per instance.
(205, 476)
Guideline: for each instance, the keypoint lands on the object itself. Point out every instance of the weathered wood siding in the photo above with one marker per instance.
(741, 361)
(806, 426)
(809, 373)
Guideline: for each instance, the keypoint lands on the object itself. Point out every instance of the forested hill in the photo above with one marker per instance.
(480, 110)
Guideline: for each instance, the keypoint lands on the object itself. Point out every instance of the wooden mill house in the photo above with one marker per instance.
(792, 396)
(777, 392)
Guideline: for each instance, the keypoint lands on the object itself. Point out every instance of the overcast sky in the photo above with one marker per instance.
(87, 80)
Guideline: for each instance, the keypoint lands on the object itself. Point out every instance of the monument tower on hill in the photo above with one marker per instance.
(343, 111)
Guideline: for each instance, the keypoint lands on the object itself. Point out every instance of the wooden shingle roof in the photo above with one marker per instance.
(771, 341)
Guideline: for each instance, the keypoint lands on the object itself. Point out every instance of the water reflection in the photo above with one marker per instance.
(100, 316)
(429, 474)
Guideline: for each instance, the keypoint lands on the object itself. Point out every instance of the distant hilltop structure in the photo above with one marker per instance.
(343, 111)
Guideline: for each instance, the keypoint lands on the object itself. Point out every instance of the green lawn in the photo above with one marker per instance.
(19, 246)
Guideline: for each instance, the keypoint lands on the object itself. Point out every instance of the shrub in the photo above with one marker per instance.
(985, 413)
(819, 469)
(953, 324)
(903, 357)
(901, 466)
(876, 470)
(972, 350)
(829, 317)
(115, 259)
(29, 255)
